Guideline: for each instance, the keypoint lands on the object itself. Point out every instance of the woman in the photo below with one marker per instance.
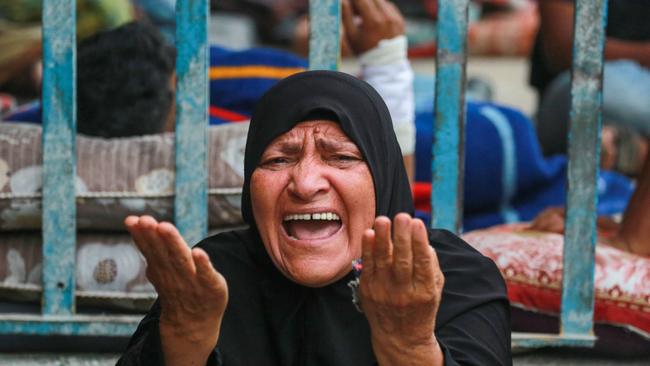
(323, 172)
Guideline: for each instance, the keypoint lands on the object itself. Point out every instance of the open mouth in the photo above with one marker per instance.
(314, 226)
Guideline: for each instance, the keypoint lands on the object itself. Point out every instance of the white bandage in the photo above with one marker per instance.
(387, 68)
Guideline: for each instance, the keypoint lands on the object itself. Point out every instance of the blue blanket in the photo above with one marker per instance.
(507, 179)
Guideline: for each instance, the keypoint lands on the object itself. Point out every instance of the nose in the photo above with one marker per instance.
(308, 181)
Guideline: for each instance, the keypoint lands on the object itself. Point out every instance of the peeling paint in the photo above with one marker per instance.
(59, 152)
(99, 325)
(539, 340)
(190, 201)
(449, 113)
(324, 36)
(584, 158)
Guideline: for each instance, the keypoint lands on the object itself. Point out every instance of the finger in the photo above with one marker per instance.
(425, 260)
(367, 248)
(156, 264)
(368, 10)
(382, 252)
(394, 17)
(350, 30)
(130, 221)
(402, 248)
(132, 224)
(380, 5)
(178, 252)
(158, 259)
(205, 271)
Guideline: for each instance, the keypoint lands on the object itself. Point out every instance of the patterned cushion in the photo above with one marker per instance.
(110, 270)
(531, 263)
(118, 177)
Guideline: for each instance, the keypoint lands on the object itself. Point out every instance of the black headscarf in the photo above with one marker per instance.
(360, 111)
(271, 320)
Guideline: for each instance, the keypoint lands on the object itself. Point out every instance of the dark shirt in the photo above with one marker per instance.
(271, 320)
(627, 20)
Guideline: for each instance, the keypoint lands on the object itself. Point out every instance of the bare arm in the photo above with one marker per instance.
(557, 37)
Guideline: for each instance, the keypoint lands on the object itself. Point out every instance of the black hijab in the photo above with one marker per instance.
(320, 326)
(271, 320)
(360, 111)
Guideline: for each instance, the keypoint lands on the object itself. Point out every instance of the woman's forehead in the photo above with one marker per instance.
(318, 128)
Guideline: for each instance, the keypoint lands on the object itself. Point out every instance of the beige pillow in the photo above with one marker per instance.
(109, 270)
(118, 177)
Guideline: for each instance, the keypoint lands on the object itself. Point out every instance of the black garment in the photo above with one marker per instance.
(270, 320)
(626, 20)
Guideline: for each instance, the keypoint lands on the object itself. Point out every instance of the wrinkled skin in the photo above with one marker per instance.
(313, 168)
(401, 288)
(192, 294)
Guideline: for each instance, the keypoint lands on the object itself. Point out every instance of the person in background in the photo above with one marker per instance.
(125, 82)
(626, 91)
(129, 70)
(626, 83)
(631, 235)
(20, 38)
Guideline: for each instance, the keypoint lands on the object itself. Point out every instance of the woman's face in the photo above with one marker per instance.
(312, 197)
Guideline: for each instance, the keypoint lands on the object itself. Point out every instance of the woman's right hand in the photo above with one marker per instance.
(192, 294)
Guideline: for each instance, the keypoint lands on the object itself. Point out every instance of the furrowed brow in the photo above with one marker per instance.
(289, 147)
(334, 145)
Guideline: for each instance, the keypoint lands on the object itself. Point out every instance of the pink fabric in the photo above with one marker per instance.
(531, 263)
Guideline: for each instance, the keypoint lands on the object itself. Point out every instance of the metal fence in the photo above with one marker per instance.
(59, 128)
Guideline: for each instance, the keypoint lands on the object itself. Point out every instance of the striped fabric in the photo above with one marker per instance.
(239, 78)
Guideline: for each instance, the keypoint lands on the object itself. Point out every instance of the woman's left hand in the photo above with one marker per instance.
(400, 289)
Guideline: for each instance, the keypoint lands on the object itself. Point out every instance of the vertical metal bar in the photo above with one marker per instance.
(324, 34)
(584, 157)
(449, 113)
(190, 203)
(59, 153)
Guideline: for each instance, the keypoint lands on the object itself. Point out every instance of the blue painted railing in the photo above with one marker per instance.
(576, 321)
(449, 116)
(324, 34)
(59, 158)
(190, 201)
(59, 229)
(59, 129)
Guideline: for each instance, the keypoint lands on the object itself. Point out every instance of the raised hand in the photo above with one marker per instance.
(366, 22)
(192, 294)
(400, 290)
